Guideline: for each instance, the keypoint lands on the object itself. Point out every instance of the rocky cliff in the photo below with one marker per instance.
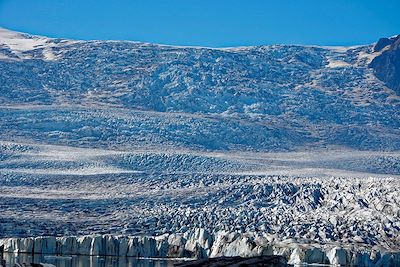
(387, 65)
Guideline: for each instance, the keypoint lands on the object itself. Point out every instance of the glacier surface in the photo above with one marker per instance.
(283, 149)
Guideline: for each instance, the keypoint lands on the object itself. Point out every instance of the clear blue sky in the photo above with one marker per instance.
(216, 23)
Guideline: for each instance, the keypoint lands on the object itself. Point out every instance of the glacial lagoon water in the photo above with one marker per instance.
(86, 261)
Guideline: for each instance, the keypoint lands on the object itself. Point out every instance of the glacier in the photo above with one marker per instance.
(126, 148)
(200, 244)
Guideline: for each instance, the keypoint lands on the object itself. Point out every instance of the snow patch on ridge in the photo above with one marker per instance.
(20, 43)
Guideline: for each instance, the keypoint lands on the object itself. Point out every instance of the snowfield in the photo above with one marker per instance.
(129, 148)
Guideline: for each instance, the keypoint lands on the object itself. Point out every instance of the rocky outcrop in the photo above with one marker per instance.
(387, 65)
(382, 43)
(265, 261)
(202, 245)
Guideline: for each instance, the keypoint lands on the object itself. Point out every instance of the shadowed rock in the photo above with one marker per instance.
(33, 265)
(382, 43)
(387, 65)
(265, 261)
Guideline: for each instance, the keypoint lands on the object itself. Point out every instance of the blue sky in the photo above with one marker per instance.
(215, 23)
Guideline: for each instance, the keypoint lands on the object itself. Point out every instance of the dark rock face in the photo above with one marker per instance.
(382, 43)
(265, 261)
(387, 65)
(2, 261)
(29, 265)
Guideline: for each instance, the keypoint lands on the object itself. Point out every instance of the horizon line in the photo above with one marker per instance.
(193, 46)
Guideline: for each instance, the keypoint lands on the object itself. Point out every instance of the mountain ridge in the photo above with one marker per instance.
(4, 30)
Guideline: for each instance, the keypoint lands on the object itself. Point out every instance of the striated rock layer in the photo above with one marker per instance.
(201, 244)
